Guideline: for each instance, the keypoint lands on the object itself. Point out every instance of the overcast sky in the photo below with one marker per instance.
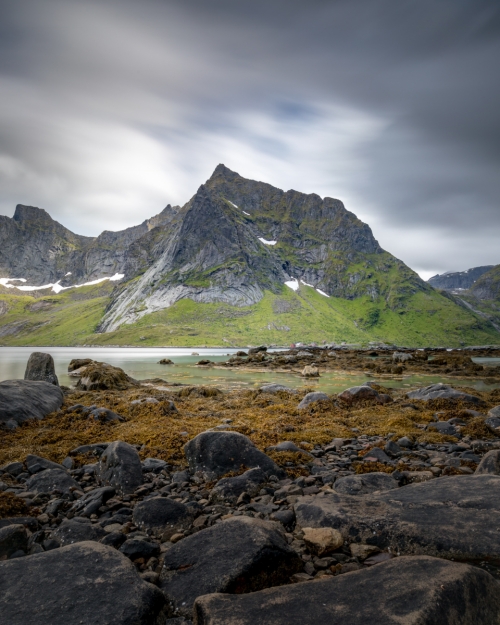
(109, 110)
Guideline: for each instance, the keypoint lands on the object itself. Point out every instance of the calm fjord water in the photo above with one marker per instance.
(142, 363)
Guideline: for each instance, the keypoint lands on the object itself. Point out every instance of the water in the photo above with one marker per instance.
(142, 363)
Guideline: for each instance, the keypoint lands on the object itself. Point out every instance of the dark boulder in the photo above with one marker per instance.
(120, 467)
(310, 398)
(153, 465)
(82, 584)
(490, 463)
(12, 538)
(364, 484)
(77, 530)
(443, 391)
(443, 427)
(377, 454)
(92, 501)
(358, 393)
(52, 480)
(230, 488)
(241, 554)
(413, 591)
(41, 367)
(135, 548)
(21, 400)
(161, 516)
(218, 453)
(450, 517)
(34, 464)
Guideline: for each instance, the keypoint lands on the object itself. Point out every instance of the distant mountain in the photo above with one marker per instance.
(487, 287)
(458, 280)
(240, 262)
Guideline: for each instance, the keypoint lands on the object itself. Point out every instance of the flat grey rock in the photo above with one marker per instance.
(365, 484)
(82, 584)
(218, 453)
(41, 367)
(22, 400)
(162, 516)
(36, 463)
(494, 412)
(413, 591)
(443, 391)
(450, 517)
(51, 480)
(76, 531)
(241, 554)
(92, 501)
(120, 467)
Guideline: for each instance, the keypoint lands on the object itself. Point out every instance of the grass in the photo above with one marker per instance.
(427, 319)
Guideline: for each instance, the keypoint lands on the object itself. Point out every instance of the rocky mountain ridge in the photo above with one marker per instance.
(458, 280)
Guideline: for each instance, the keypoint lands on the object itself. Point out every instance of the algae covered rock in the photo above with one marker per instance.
(99, 376)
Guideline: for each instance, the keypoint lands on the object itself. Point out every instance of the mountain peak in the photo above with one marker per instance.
(221, 171)
(31, 213)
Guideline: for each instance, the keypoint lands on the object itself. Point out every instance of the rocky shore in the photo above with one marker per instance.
(132, 502)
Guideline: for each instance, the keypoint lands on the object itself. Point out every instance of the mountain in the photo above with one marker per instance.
(241, 262)
(458, 280)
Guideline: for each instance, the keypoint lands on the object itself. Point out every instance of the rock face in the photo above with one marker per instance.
(451, 517)
(162, 516)
(120, 467)
(85, 583)
(218, 453)
(413, 591)
(238, 555)
(443, 391)
(21, 400)
(458, 280)
(41, 367)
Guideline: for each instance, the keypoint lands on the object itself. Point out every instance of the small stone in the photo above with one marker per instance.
(322, 540)
(113, 527)
(362, 551)
(43, 518)
(378, 558)
(176, 537)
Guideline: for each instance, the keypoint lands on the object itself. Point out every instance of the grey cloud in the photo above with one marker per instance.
(110, 109)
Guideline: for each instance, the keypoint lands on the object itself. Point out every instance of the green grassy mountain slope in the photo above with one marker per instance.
(72, 317)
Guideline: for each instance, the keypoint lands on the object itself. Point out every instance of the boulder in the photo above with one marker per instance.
(490, 463)
(135, 548)
(358, 393)
(13, 538)
(82, 584)
(120, 467)
(52, 480)
(364, 484)
(41, 367)
(322, 540)
(92, 501)
(230, 488)
(310, 371)
(443, 391)
(99, 376)
(378, 454)
(34, 464)
(153, 465)
(241, 554)
(443, 427)
(276, 388)
(77, 530)
(79, 363)
(450, 517)
(161, 516)
(21, 400)
(311, 398)
(413, 591)
(218, 453)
